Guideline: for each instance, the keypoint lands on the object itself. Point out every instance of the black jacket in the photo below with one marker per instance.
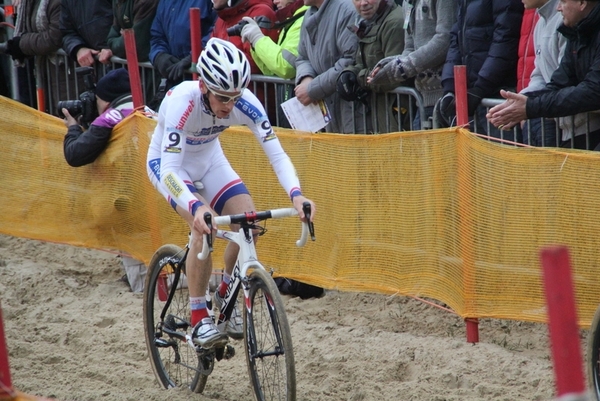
(575, 85)
(85, 24)
(83, 147)
(485, 38)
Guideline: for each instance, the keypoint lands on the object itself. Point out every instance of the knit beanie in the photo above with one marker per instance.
(113, 85)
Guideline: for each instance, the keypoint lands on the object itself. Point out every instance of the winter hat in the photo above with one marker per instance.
(113, 85)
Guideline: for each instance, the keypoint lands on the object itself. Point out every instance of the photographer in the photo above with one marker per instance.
(113, 102)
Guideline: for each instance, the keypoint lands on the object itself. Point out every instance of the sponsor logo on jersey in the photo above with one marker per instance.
(250, 110)
(205, 135)
(186, 115)
(173, 149)
(269, 134)
(173, 185)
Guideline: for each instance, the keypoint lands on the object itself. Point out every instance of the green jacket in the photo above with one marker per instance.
(135, 14)
(280, 58)
(384, 38)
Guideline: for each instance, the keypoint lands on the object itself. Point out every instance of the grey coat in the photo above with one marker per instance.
(326, 47)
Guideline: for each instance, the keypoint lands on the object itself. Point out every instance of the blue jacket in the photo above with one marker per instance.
(485, 38)
(170, 32)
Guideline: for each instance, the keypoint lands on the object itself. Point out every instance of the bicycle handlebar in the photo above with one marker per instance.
(307, 227)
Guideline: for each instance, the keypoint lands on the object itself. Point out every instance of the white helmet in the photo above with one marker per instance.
(223, 66)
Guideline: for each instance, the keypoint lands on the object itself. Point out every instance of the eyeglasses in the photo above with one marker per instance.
(225, 99)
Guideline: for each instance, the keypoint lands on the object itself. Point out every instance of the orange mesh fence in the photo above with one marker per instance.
(440, 214)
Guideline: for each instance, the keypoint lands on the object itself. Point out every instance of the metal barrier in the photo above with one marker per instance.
(63, 83)
(549, 138)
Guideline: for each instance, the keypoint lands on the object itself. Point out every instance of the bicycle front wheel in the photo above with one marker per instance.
(174, 362)
(268, 341)
(593, 355)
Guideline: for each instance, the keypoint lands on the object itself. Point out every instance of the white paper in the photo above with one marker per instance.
(309, 118)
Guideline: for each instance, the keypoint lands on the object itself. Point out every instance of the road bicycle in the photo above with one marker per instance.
(176, 360)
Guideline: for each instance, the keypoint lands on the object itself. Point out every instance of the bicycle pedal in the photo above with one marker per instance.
(229, 352)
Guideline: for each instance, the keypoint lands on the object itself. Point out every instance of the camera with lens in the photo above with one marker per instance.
(85, 107)
(262, 22)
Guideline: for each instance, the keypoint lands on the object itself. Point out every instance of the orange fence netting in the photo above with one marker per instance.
(440, 214)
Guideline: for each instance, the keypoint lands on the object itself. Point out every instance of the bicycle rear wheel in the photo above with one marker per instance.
(175, 363)
(268, 341)
(593, 355)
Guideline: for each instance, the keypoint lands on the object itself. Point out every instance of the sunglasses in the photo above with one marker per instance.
(225, 98)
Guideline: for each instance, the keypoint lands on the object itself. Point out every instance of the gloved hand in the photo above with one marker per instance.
(445, 110)
(163, 61)
(13, 48)
(347, 85)
(251, 31)
(176, 71)
(474, 96)
(388, 70)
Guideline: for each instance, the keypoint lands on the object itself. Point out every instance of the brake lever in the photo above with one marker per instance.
(307, 212)
(209, 238)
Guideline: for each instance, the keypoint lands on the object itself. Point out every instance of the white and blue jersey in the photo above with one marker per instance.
(185, 148)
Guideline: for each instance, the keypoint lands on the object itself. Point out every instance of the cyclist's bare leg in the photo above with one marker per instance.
(198, 271)
(237, 204)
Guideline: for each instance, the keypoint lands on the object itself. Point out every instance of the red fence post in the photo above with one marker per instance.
(196, 36)
(460, 92)
(462, 118)
(564, 336)
(134, 68)
(6, 390)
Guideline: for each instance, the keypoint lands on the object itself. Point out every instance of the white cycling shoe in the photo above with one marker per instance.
(207, 335)
(235, 325)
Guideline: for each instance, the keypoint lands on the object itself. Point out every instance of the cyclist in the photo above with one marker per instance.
(185, 149)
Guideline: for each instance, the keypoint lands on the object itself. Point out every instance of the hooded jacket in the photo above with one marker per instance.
(230, 16)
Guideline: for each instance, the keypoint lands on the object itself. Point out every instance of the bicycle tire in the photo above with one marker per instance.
(268, 341)
(593, 356)
(178, 364)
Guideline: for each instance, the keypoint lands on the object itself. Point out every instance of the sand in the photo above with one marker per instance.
(75, 332)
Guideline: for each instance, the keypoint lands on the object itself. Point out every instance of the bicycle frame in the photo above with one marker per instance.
(246, 257)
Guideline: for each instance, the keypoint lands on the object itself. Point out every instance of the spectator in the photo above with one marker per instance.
(170, 38)
(271, 57)
(37, 33)
(380, 34)
(485, 38)
(85, 26)
(278, 58)
(130, 14)
(573, 87)
(113, 103)
(230, 14)
(326, 47)
(549, 47)
(525, 64)
(426, 44)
